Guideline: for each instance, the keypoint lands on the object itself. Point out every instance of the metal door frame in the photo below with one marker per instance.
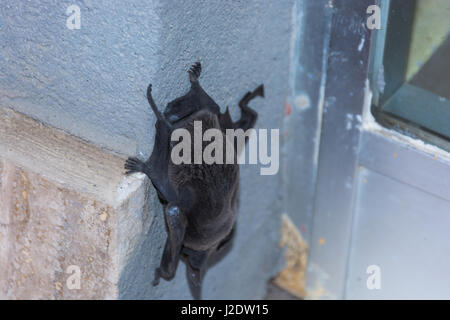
(351, 138)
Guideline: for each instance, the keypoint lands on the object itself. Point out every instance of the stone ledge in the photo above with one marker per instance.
(63, 202)
(63, 158)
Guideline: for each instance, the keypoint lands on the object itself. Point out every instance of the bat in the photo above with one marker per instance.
(200, 201)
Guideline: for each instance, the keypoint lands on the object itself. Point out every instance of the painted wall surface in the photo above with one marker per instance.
(91, 83)
(304, 107)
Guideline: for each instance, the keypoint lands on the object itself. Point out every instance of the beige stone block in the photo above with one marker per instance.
(65, 206)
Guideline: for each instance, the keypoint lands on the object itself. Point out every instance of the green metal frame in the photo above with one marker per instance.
(397, 104)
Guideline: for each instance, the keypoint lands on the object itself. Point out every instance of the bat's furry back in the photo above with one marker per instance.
(200, 200)
(215, 188)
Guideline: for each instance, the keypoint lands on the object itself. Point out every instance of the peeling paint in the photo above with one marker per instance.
(348, 121)
(361, 43)
(287, 109)
(302, 102)
(293, 277)
(317, 290)
(381, 83)
(370, 124)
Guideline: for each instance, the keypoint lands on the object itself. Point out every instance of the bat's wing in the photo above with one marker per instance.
(198, 262)
(225, 120)
(158, 163)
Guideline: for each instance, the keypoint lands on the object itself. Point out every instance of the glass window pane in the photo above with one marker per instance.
(411, 67)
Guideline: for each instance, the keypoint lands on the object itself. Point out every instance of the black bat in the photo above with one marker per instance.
(200, 201)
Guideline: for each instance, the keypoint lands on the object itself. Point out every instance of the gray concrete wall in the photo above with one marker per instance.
(91, 83)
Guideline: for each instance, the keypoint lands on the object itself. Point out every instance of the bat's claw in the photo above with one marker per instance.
(195, 71)
(149, 90)
(133, 165)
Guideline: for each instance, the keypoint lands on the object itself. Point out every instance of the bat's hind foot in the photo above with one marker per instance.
(195, 71)
(249, 116)
(259, 91)
(243, 104)
(133, 165)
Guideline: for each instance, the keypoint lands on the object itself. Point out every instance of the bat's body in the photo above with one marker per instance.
(200, 200)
